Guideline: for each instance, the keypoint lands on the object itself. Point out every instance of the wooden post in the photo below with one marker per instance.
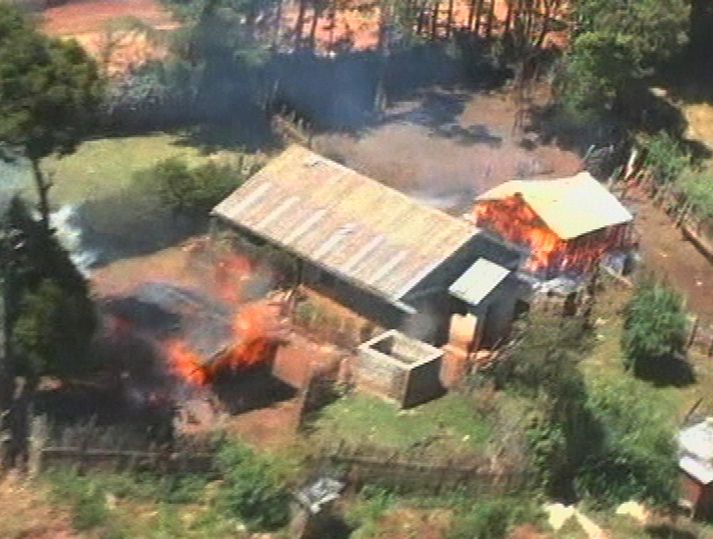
(692, 334)
(710, 348)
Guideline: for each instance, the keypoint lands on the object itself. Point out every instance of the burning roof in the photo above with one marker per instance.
(164, 312)
(570, 207)
(348, 224)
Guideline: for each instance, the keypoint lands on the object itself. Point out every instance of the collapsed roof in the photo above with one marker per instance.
(570, 207)
(348, 224)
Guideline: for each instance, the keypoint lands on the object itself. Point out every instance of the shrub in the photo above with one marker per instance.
(655, 332)
(252, 490)
(188, 191)
(638, 457)
(665, 157)
(493, 519)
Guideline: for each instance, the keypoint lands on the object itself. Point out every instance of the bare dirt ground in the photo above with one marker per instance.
(669, 255)
(26, 514)
(87, 16)
(89, 21)
(449, 146)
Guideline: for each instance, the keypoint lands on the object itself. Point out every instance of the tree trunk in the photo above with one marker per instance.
(278, 25)
(491, 20)
(471, 14)
(508, 17)
(449, 23)
(478, 16)
(313, 28)
(42, 186)
(299, 25)
(421, 19)
(434, 20)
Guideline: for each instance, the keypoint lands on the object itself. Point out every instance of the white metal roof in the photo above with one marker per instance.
(700, 471)
(698, 440)
(570, 207)
(478, 281)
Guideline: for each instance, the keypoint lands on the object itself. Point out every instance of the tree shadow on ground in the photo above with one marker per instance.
(646, 111)
(673, 371)
(667, 531)
(127, 224)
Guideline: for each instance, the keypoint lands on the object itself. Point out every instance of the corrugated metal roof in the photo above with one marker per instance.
(478, 281)
(698, 440)
(351, 225)
(701, 471)
(570, 207)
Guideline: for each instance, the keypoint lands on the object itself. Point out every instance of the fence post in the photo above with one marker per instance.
(710, 348)
(38, 439)
(692, 334)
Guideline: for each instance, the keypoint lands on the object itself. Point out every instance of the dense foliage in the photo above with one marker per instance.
(614, 45)
(654, 330)
(665, 157)
(180, 189)
(252, 490)
(597, 443)
(51, 318)
(493, 518)
(636, 457)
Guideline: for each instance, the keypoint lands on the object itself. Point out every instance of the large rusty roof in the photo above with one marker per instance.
(348, 224)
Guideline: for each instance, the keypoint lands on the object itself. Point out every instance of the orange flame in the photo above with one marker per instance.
(231, 273)
(512, 219)
(253, 331)
(185, 363)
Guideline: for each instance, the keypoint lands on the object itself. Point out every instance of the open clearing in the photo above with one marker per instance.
(106, 166)
(448, 146)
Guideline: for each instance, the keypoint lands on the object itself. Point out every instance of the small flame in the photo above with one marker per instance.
(231, 273)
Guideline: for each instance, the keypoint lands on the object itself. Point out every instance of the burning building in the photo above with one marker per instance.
(565, 225)
(373, 249)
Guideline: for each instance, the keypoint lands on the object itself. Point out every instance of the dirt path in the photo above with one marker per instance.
(670, 256)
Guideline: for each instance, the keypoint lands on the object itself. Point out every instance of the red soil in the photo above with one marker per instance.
(88, 16)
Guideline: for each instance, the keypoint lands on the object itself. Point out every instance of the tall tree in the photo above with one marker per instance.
(49, 94)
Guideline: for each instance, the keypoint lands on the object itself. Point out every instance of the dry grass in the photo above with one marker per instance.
(26, 513)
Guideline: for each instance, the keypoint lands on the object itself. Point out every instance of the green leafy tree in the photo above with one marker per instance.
(698, 187)
(50, 316)
(252, 489)
(52, 332)
(654, 331)
(615, 44)
(49, 93)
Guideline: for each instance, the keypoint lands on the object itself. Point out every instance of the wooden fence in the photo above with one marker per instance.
(416, 471)
(88, 446)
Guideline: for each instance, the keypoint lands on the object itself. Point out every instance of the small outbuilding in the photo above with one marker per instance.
(565, 225)
(696, 466)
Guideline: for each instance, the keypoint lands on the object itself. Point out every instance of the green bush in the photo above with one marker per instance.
(665, 157)
(655, 330)
(188, 191)
(638, 457)
(252, 490)
(698, 188)
(494, 519)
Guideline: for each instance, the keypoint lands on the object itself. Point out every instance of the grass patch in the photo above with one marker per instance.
(103, 167)
(605, 366)
(124, 506)
(452, 421)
